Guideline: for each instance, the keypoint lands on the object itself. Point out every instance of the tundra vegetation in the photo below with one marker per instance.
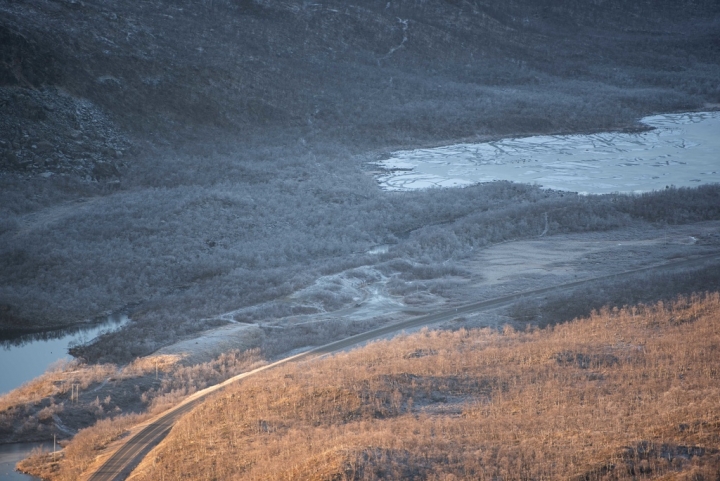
(180, 160)
(73, 395)
(629, 393)
(260, 247)
(177, 160)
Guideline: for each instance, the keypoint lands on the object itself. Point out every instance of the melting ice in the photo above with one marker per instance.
(681, 150)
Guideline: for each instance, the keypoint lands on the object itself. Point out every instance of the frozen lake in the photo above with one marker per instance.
(682, 150)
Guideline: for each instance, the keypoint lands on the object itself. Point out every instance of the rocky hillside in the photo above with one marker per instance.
(81, 82)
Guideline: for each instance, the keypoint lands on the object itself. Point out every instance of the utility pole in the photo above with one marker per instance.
(54, 448)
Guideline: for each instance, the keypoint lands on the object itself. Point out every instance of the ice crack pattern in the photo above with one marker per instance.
(681, 150)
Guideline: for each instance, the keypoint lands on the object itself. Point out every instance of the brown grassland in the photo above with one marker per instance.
(625, 394)
(628, 393)
(177, 382)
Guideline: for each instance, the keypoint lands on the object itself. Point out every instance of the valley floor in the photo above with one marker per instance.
(44, 406)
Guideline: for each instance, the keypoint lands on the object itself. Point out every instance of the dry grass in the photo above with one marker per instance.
(82, 451)
(624, 394)
(56, 381)
(186, 380)
(178, 383)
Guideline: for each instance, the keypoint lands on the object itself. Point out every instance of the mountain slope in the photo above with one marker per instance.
(184, 159)
(367, 73)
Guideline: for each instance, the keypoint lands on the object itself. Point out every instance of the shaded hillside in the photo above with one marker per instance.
(212, 153)
(365, 73)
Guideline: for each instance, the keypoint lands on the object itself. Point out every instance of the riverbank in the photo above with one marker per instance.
(11, 454)
(28, 356)
(50, 405)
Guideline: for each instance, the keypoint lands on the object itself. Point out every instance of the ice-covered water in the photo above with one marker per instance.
(682, 150)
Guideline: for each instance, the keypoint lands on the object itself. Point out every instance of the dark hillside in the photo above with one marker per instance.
(209, 151)
(370, 73)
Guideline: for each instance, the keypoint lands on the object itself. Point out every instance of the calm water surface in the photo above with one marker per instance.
(11, 454)
(26, 358)
(31, 357)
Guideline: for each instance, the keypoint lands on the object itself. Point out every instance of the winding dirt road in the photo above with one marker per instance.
(121, 463)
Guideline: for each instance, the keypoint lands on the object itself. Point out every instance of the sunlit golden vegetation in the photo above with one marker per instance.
(59, 379)
(27, 410)
(624, 394)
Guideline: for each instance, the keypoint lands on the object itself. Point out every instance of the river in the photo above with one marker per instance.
(11, 454)
(27, 357)
(680, 150)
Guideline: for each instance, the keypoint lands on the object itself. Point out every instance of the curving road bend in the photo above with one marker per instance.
(121, 463)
